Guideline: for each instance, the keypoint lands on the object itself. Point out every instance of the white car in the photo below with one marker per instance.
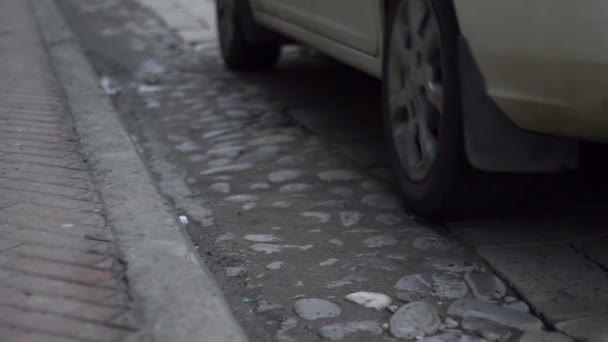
(478, 94)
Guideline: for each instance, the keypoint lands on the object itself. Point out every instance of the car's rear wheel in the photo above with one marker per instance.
(422, 111)
(240, 52)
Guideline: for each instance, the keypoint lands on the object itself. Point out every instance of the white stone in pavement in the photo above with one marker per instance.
(235, 271)
(336, 242)
(320, 216)
(314, 308)
(227, 169)
(380, 241)
(226, 152)
(294, 188)
(283, 176)
(223, 188)
(381, 201)
(469, 307)
(338, 331)
(350, 218)
(451, 323)
(266, 248)
(347, 281)
(275, 265)
(242, 198)
(259, 186)
(272, 140)
(518, 305)
(328, 262)
(486, 286)
(341, 175)
(589, 328)
(388, 219)
(281, 204)
(291, 160)
(261, 238)
(371, 300)
(414, 320)
(265, 306)
(544, 336)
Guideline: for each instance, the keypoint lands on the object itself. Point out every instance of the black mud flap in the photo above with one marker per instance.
(493, 142)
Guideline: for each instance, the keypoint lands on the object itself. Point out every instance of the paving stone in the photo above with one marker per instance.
(227, 169)
(489, 330)
(415, 319)
(347, 281)
(284, 176)
(235, 271)
(378, 301)
(518, 305)
(340, 175)
(451, 264)
(452, 337)
(388, 219)
(294, 188)
(416, 283)
(433, 243)
(261, 238)
(339, 331)
(223, 188)
(585, 329)
(544, 336)
(350, 218)
(242, 198)
(265, 306)
(380, 241)
(381, 201)
(485, 286)
(448, 286)
(314, 308)
(555, 280)
(469, 307)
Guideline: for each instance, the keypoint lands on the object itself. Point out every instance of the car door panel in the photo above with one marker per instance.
(355, 23)
(297, 12)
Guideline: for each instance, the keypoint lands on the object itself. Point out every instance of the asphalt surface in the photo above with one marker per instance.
(283, 184)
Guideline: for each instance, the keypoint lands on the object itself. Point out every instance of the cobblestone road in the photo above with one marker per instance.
(282, 181)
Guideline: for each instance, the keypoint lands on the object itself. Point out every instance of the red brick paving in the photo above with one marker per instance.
(58, 278)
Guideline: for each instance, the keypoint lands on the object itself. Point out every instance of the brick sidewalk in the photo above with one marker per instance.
(59, 280)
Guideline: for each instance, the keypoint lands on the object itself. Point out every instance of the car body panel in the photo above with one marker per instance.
(545, 62)
(305, 31)
(355, 23)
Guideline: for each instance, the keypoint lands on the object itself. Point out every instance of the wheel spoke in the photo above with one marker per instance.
(412, 151)
(434, 93)
(399, 101)
(427, 141)
(417, 11)
(400, 38)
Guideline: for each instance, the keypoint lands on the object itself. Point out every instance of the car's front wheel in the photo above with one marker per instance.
(240, 52)
(422, 108)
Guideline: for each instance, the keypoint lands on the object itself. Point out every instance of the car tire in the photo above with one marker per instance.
(449, 187)
(240, 51)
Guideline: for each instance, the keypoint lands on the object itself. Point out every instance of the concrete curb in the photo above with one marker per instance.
(172, 288)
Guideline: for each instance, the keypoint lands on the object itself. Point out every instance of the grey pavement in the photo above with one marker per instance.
(286, 193)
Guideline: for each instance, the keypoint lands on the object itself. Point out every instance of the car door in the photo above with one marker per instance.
(296, 12)
(355, 23)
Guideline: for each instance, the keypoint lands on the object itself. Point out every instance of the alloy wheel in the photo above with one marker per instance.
(415, 88)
